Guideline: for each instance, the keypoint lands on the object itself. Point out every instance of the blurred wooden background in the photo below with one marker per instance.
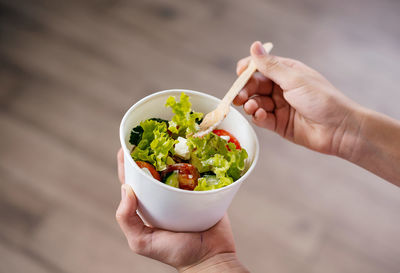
(69, 70)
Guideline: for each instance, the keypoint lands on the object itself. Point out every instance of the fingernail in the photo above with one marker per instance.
(123, 192)
(258, 114)
(259, 49)
(254, 101)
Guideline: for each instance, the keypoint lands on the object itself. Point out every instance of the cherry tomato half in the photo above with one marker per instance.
(232, 139)
(187, 175)
(150, 167)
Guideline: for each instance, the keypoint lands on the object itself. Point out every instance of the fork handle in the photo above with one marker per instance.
(243, 78)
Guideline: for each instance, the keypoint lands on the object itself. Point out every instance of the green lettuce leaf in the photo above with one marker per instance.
(183, 123)
(154, 145)
(211, 153)
(205, 184)
(237, 159)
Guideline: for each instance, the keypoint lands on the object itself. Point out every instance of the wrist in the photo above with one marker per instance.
(222, 262)
(374, 144)
(350, 144)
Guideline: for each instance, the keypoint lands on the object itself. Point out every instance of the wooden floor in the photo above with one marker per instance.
(69, 70)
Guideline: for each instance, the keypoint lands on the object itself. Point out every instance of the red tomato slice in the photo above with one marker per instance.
(150, 167)
(232, 139)
(187, 175)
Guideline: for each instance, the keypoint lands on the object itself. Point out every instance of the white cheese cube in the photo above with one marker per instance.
(181, 148)
(227, 138)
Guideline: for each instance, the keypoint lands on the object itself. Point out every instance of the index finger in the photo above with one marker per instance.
(257, 85)
(242, 65)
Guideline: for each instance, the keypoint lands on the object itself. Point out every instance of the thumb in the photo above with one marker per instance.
(273, 68)
(130, 222)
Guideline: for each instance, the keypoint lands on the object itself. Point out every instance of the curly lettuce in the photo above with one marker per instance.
(212, 153)
(154, 145)
(206, 184)
(184, 122)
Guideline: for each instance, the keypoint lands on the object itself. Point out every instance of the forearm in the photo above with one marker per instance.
(374, 144)
(225, 262)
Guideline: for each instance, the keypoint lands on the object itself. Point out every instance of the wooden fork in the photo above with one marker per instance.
(215, 117)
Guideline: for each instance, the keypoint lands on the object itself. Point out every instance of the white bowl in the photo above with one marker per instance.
(168, 207)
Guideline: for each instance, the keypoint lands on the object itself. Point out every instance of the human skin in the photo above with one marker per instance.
(210, 251)
(299, 104)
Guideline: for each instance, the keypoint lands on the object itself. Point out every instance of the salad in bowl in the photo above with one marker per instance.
(168, 151)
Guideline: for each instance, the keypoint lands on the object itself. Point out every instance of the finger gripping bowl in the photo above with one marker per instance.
(170, 208)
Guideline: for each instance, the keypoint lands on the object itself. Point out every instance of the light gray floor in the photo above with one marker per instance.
(69, 70)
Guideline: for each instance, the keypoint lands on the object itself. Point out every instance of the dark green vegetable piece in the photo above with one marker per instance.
(197, 120)
(137, 132)
(172, 180)
(136, 135)
(208, 173)
(160, 120)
